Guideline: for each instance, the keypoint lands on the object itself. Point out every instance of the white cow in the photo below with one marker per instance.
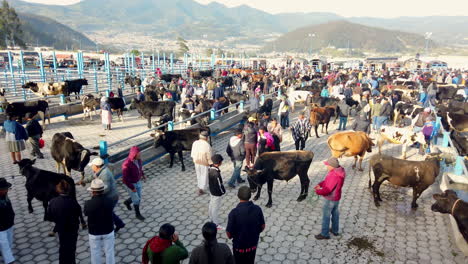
(404, 136)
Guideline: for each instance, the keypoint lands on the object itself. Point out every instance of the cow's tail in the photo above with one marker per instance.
(370, 180)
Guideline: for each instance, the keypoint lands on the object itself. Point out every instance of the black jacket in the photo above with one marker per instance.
(236, 149)
(65, 212)
(33, 128)
(386, 110)
(250, 133)
(99, 213)
(215, 182)
(7, 215)
(221, 254)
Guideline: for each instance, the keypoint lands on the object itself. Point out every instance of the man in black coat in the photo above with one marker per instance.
(236, 151)
(65, 212)
(34, 134)
(217, 190)
(7, 220)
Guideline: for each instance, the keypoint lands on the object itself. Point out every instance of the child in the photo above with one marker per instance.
(34, 134)
(217, 189)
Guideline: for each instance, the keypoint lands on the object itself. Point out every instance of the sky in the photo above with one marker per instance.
(347, 8)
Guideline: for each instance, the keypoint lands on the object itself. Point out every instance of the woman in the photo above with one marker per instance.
(265, 141)
(283, 113)
(132, 174)
(210, 251)
(277, 132)
(15, 136)
(106, 113)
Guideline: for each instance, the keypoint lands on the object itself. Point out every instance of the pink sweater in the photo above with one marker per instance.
(331, 186)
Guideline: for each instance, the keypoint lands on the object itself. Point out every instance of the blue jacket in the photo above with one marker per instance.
(15, 128)
(324, 93)
(218, 92)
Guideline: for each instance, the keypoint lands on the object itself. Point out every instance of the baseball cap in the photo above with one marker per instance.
(333, 162)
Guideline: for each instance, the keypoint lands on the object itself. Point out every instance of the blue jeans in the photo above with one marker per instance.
(117, 221)
(343, 121)
(374, 122)
(135, 196)
(381, 120)
(236, 173)
(330, 209)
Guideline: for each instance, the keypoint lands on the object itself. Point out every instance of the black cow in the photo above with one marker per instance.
(234, 98)
(133, 81)
(117, 104)
(402, 110)
(197, 75)
(445, 93)
(40, 184)
(449, 203)
(20, 109)
(203, 120)
(227, 82)
(170, 77)
(150, 109)
(74, 86)
(266, 107)
(460, 142)
(151, 95)
(280, 166)
(177, 141)
(452, 121)
(69, 154)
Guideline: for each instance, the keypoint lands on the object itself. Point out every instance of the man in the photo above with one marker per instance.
(173, 90)
(431, 93)
(139, 96)
(132, 174)
(101, 171)
(189, 104)
(165, 248)
(330, 189)
(245, 223)
(201, 155)
(300, 131)
(210, 86)
(385, 113)
(100, 223)
(210, 251)
(217, 190)
(418, 122)
(361, 122)
(218, 91)
(34, 134)
(254, 103)
(65, 212)
(250, 141)
(7, 220)
(236, 151)
(343, 112)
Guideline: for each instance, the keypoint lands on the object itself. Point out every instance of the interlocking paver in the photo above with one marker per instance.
(401, 234)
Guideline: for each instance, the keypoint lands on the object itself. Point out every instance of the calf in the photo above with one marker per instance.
(40, 184)
(177, 141)
(403, 136)
(405, 173)
(321, 115)
(150, 109)
(133, 81)
(117, 104)
(449, 203)
(20, 109)
(283, 166)
(74, 86)
(89, 103)
(70, 154)
(350, 144)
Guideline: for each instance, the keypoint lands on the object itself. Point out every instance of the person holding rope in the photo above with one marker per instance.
(330, 189)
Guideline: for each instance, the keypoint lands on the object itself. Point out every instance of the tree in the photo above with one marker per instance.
(183, 48)
(10, 27)
(135, 52)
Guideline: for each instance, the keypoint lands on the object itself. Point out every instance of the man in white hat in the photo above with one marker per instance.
(201, 155)
(101, 171)
(100, 223)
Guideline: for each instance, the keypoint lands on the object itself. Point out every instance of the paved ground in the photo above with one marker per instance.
(396, 234)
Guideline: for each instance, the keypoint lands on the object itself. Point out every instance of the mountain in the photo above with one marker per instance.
(48, 32)
(343, 34)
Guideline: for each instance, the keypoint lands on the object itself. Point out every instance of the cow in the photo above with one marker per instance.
(150, 109)
(266, 108)
(89, 103)
(449, 203)
(350, 143)
(44, 89)
(460, 142)
(405, 173)
(3, 100)
(41, 184)
(234, 98)
(282, 166)
(169, 77)
(456, 122)
(133, 81)
(69, 154)
(402, 109)
(298, 97)
(197, 75)
(186, 114)
(117, 104)
(404, 136)
(446, 92)
(177, 141)
(74, 86)
(321, 115)
(20, 109)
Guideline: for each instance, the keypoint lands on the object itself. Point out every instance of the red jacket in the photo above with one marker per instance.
(331, 186)
(131, 173)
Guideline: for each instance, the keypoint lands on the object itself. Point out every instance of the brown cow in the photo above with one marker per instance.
(449, 203)
(406, 173)
(350, 144)
(321, 115)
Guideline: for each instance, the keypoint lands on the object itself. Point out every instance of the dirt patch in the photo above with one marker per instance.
(362, 243)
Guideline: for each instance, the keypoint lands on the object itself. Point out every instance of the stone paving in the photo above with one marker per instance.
(396, 233)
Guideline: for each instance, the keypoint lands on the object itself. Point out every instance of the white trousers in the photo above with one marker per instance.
(213, 209)
(6, 244)
(202, 176)
(100, 243)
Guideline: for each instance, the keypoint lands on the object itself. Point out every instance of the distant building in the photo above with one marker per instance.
(353, 64)
(382, 63)
(414, 64)
(438, 65)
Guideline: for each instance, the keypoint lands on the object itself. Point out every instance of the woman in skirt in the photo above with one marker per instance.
(106, 113)
(15, 136)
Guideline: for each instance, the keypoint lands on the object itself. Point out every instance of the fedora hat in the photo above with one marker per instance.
(4, 185)
(97, 185)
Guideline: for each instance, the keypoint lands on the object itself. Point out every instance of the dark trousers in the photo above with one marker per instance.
(117, 221)
(245, 258)
(284, 120)
(250, 153)
(67, 249)
(34, 141)
(300, 143)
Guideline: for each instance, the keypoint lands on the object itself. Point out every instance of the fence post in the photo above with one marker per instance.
(262, 99)
(212, 114)
(164, 62)
(241, 106)
(153, 65)
(172, 62)
(96, 88)
(170, 125)
(62, 99)
(458, 170)
(279, 92)
(445, 140)
(103, 150)
(107, 93)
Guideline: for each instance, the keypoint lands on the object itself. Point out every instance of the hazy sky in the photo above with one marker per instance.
(375, 8)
